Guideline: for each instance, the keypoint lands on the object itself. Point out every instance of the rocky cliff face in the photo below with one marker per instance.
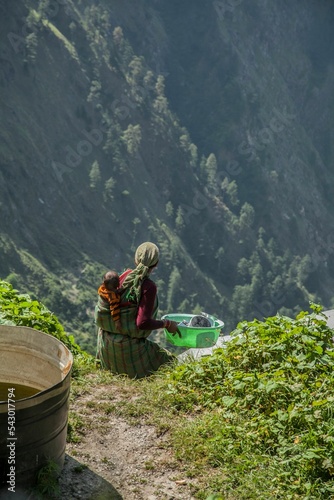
(194, 124)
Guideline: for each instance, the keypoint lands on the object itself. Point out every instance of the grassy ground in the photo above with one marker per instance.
(253, 421)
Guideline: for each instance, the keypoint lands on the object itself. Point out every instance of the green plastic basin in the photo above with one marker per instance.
(192, 336)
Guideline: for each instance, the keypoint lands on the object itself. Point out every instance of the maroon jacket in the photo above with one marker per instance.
(144, 318)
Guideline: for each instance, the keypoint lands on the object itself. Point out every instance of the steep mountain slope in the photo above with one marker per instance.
(192, 124)
(253, 81)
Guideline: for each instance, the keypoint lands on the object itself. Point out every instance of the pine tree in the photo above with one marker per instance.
(108, 189)
(173, 288)
(179, 221)
(231, 190)
(211, 170)
(247, 215)
(169, 209)
(132, 138)
(95, 175)
(160, 86)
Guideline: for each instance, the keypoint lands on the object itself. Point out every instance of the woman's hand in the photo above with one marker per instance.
(172, 327)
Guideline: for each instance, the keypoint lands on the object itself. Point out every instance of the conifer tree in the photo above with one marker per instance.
(95, 175)
(179, 221)
(108, 189)
(211, 170)
(169, 209)
(132, 138)
(173, 287)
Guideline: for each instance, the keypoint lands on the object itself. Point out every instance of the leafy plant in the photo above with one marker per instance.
(47, 481)
(265, 408)
(22, 310)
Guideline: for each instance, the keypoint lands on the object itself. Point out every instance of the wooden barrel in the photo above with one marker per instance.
(34, 390)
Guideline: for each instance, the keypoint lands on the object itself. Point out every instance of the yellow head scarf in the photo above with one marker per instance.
(146, 256)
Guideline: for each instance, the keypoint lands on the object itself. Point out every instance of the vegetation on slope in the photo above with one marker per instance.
(21, 310)
(112, 127)
(256, 417)
(254, 420)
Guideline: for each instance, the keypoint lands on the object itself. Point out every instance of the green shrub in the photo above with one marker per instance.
(21, 310)
(266, 408)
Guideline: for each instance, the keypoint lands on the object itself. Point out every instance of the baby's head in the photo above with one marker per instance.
(111, 281)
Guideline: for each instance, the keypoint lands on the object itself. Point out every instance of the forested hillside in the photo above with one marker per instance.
(203, 126)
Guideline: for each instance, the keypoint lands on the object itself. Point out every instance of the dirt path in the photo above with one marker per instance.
(117, 460)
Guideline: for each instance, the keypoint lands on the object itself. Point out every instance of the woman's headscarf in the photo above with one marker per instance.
(146, 256)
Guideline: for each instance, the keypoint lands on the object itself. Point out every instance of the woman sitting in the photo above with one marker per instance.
(130, 352)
